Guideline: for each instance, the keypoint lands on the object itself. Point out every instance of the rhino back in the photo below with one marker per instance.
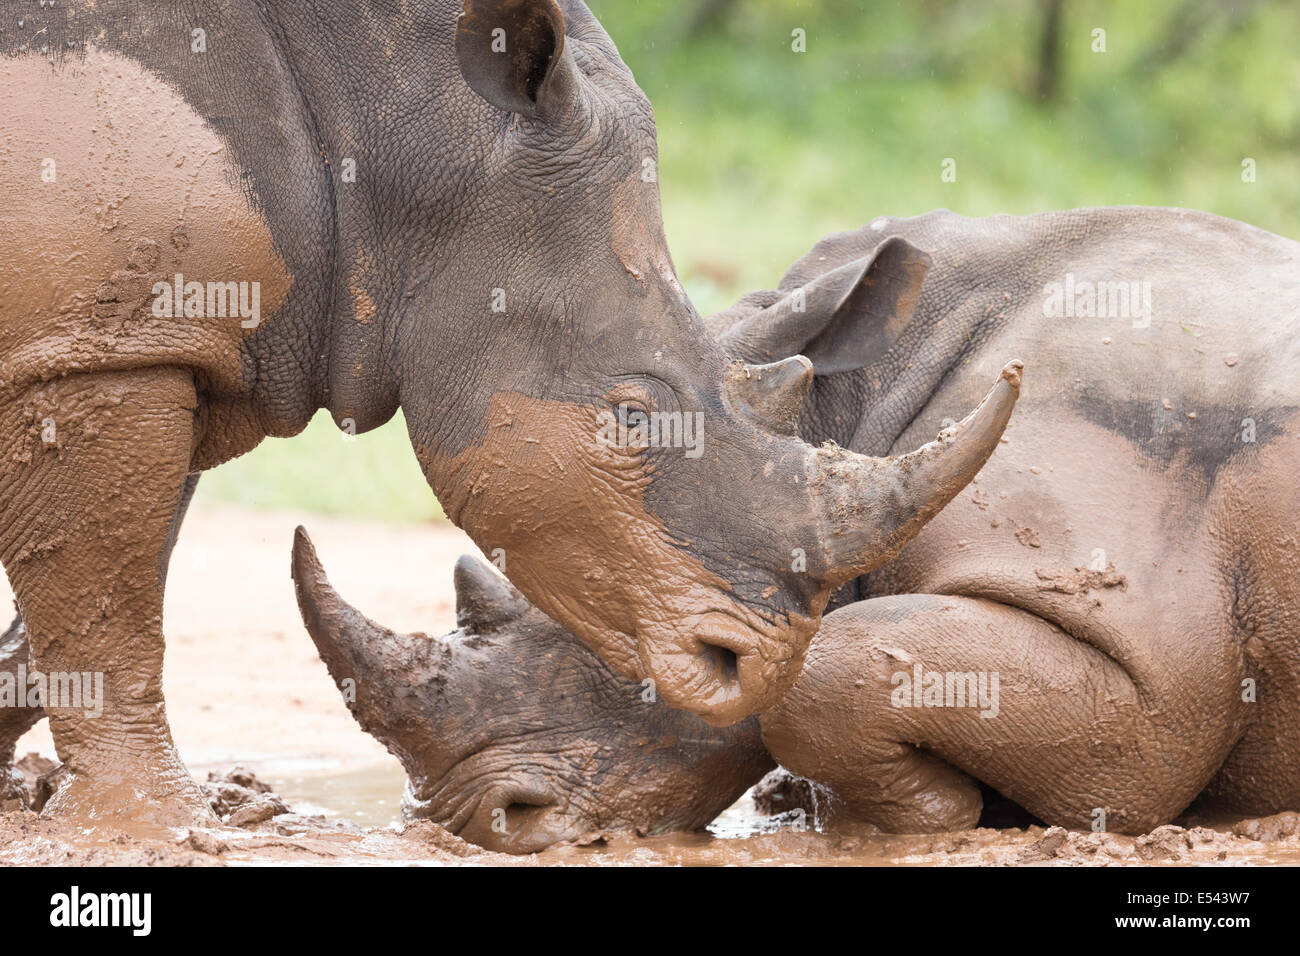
(1218, 339)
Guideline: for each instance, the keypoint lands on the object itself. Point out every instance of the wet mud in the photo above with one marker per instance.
(260, 828)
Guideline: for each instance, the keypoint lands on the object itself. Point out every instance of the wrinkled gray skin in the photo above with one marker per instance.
(497, 269)
(1125, 568)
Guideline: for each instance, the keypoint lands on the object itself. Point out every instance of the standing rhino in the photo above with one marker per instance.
(222, 216)
(1103, 627)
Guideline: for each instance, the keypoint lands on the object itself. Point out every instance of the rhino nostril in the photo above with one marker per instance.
(517, 803)
(514, 817)
(523, 812)
(723, 662)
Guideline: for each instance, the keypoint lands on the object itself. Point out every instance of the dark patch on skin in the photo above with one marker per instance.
(1203, 444)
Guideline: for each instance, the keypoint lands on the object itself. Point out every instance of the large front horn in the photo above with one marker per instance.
(386, 678)
(871, 507)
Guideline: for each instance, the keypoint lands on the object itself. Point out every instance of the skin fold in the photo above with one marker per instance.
(1124, 567)
(430, 223)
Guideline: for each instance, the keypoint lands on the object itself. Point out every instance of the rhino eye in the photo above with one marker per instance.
(644, 392)
(631, 414)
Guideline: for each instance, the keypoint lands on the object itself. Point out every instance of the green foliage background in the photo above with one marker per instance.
(764, 150)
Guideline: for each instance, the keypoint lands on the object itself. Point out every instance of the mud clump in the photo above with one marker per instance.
(29, 783)
(1278, 827)
(1049, 847)
(1066, 846)
(202, 841)
(240, 799)
(441, 839)
(1164, 844)
(781, 792)
(1081, 580)
(13, 791)
(1028, 537)
(20, 785)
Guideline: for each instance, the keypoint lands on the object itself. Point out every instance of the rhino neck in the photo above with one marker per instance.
(393, 134)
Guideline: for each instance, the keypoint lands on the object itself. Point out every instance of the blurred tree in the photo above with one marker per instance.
(1193, 21)
(1048, 83)
(709, 15)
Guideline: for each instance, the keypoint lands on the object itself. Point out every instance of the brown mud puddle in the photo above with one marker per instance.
(352, 818)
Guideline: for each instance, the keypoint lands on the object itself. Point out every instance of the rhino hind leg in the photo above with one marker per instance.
(92, 474)
(1066, 733)
(14, 721)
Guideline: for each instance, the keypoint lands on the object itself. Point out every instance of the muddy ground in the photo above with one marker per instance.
(245, 687)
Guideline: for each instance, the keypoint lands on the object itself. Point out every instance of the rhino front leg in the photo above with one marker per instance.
(836, 728)
(92, 473)
(904, 701)
(15, 650)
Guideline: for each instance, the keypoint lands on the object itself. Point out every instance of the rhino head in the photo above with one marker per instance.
(513, 719)
(512, 732)
(564, 398)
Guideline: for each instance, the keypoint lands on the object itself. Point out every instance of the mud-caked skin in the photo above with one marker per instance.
(448, 208)
(1123, 568)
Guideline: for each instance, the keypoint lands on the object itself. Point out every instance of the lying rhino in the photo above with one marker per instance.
(224, 216)
(1103, 626)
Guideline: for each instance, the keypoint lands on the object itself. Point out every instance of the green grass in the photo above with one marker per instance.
(764, 150)
(374, 475)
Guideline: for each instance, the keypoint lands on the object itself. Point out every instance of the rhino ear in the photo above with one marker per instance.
(842, 320)
(511, 53)
(484, 599)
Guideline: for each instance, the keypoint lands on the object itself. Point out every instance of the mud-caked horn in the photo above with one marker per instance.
(871, 507)
(384, 676)
(772, 394)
